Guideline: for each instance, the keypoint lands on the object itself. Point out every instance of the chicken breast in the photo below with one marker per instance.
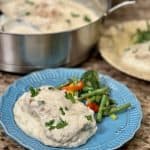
(53, 119)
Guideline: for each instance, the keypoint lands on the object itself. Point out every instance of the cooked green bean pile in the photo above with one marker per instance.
(89, 90)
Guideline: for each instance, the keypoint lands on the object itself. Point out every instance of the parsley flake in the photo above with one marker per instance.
(34, 92)
(41, 103)
(89, 118)
(50, 123)
(70, 97)
(75, 15)
(29, 2)
(66, 108)
(62, 111)
(87, 18)
(68, 21)
(61, 124)
(27, 13)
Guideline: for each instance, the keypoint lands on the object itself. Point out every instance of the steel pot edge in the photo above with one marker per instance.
(25, 53)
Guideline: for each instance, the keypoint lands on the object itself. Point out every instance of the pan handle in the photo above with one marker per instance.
(120, 5)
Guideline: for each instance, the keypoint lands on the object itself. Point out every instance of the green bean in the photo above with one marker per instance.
(102, 105)
(91, 99)
(86, 89)
(112, 101)
(108, 102)
(94, 93)
(113, 116)
(106, 113)
(96, 99)
(108, 107)
(120, 108)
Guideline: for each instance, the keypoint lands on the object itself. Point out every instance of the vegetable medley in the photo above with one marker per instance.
(90, 91)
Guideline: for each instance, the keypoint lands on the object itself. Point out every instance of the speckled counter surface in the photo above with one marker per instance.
(141, 140)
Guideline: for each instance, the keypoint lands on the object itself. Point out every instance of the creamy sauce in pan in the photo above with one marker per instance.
(33, 113)
(48, 16)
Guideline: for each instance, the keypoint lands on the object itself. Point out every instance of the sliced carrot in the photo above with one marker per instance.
(77, 87)
(93, 106)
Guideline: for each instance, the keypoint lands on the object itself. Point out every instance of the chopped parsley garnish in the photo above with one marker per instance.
(52, 127)
(27, 13)
(29, 2)
(61, 124)
(142, 36)
(62, 111)
(89, 118)
(66, 108)
(51, 88)
(75, 15)
(87, 18)
(34, 92)
(68, 21)
(41, 102)
(70, 97)
(50, 123)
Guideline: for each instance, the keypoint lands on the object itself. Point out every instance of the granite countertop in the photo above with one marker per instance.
(141, 140)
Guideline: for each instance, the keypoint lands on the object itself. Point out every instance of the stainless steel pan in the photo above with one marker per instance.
(24, 53)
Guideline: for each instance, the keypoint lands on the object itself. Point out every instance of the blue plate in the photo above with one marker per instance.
(110, 134)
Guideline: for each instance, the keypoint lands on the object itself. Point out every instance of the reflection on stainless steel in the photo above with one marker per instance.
(24, 53)
(124, 3)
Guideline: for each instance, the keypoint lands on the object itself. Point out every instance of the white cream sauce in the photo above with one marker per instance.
(31, 114)
(47, 16)
(137, 56)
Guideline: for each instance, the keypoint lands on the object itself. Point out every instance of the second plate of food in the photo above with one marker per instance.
(126, 46)
(69, 108)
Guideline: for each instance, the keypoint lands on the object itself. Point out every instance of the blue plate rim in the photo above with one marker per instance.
(71, 69)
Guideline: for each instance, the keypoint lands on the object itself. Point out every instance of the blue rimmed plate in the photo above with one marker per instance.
(110, 134)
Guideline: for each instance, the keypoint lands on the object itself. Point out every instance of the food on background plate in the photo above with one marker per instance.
(142, 35)
(66, 115)
(48, 16)
(137, 54)
(127, 47)
(139, 51)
